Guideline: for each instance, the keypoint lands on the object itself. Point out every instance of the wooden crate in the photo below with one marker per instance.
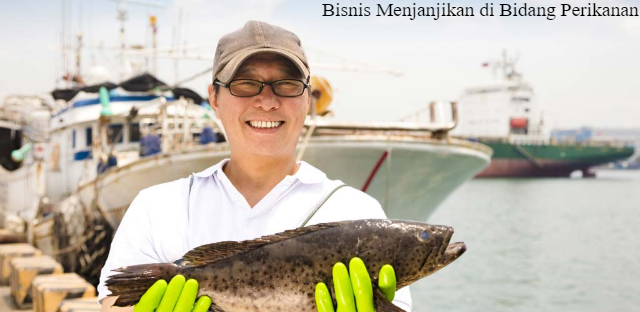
(50, 290)
(89, 304)
(11, 237)
(24, 270)
(10, 251)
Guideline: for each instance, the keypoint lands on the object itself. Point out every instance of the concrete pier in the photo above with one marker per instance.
(6, 303)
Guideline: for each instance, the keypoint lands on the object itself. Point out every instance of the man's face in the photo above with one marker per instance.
(239, 113)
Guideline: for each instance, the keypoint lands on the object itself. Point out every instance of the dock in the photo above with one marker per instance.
(31, 281)
(5, 300)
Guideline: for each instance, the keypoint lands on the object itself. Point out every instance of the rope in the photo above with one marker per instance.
(306, 141)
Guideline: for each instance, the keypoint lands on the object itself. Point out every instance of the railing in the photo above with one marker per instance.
(439, 128)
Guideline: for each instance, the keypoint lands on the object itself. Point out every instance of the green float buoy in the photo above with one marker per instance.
(19, 154)
(106, 102)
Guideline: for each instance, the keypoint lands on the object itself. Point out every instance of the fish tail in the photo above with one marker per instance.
(133, 281)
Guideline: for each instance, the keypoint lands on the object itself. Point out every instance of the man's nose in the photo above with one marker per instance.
(267, 100)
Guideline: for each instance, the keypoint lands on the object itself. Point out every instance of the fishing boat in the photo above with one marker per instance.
(23, 133)
(504, 116)
(97, 130)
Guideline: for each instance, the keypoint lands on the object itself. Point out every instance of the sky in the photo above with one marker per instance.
(584, 69)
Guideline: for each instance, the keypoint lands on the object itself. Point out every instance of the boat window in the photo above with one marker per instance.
(10, 140)
(73, 138)
(519, 99)
(114, 132)
(89, 136)
(134, 132)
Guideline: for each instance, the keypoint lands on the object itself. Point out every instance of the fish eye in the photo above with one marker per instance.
(424, 235)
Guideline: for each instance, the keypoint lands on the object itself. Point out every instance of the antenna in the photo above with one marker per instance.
(122, 17)
(349, 64)
(78, 78)
(506, 64)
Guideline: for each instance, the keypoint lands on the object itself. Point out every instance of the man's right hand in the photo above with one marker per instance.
(178, 296)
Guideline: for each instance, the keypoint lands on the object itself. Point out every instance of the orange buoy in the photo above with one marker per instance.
(322, 94)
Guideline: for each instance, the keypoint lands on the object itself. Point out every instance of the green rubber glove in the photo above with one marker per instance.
(354, 291)
(178, 296)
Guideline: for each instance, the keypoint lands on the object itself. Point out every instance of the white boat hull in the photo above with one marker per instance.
(412, 180)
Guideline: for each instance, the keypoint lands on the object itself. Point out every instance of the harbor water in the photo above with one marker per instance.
(540, 245)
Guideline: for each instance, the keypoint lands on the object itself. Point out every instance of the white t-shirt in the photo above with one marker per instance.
(159, 228)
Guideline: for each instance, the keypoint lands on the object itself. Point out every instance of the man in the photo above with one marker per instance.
(260, 92)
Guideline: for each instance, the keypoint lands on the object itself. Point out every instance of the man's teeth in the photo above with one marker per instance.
(265, 124)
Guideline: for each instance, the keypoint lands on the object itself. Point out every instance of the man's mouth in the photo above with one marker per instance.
(264, 124)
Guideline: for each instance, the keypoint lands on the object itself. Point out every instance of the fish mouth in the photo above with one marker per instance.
(445, 254)
(453, 252)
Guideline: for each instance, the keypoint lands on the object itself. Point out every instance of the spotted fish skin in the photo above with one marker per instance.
(279, 272)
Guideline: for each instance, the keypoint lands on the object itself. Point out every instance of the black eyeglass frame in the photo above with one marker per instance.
(305, 85)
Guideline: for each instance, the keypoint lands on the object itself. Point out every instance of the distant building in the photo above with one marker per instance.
(614, 135)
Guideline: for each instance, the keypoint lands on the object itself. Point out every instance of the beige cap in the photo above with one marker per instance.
(256, 37)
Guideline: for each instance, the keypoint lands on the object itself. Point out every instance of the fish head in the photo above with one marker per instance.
(421, 249)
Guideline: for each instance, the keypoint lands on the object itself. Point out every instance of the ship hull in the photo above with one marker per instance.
(547, 160)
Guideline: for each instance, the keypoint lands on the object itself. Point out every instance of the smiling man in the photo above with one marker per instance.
(260, 92)
(262, 121)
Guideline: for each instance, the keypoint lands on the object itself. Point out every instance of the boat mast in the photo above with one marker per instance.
(154, 29)
(122, 18)
(64, 70)
(78, 77)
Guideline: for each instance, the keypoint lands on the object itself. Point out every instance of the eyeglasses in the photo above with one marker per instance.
(250, 87)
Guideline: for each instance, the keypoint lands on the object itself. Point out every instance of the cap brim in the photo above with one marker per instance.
(230, 69)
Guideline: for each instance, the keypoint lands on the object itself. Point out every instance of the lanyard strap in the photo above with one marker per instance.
(189, 195)
(321, 203)
(190, 184)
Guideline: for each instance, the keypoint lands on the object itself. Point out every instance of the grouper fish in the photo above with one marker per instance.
(279, 272)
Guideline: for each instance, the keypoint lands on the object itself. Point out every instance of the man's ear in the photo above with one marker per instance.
(213, 100)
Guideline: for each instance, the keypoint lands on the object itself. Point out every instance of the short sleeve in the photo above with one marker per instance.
(402, 299)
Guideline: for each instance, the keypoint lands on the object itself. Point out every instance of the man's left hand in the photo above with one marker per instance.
(353, 289)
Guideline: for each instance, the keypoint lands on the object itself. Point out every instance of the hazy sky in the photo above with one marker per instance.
(585, 70)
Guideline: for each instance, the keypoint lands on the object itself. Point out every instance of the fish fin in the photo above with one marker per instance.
(381, 303)
(133, 281)
(215, 308)
(211, 253)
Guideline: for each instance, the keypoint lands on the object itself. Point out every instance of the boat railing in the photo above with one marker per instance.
(175, 123)
(437, 127)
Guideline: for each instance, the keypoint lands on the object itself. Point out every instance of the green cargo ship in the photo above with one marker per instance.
(549, 160)
(504, 116)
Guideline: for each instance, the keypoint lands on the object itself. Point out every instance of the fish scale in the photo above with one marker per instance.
(279, 272)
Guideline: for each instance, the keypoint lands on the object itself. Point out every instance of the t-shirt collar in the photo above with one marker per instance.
(306, 174)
